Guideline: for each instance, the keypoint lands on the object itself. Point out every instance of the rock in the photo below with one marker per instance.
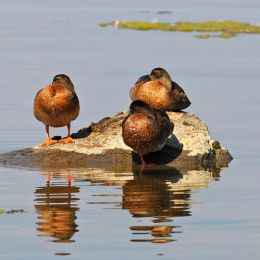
(101, 146)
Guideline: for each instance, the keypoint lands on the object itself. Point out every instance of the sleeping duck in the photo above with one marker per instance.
(159, 91)
(145, 129)
(56, 105)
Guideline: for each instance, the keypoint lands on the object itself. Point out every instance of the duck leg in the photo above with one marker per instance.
(142, 159)
(143, 164)
(68, 138)
(48, 139)
(70, 177)
(49, 178)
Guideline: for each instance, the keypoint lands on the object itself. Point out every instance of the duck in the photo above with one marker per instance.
(146, 129)
(159, 91)
(56, 105)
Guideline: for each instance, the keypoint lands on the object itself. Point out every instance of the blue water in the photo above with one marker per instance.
(98, 215)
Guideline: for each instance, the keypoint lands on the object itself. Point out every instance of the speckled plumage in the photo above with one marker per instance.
(146, 129)
(57, 104)
(159, 91)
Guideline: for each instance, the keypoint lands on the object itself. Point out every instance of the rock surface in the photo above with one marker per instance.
(101, 146)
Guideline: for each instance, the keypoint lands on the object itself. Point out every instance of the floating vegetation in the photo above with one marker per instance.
(143, 26)
(222, 35)
(12, 211)
(227, 35)
(225, 29)
(203, 36)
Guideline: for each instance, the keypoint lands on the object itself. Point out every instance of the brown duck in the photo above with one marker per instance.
(56, 105)
(146, 129)
(159, 91)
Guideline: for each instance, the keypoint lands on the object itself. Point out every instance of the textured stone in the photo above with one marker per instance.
(190, 147)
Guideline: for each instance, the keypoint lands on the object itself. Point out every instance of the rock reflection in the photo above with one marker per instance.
(158, 194)
(151, 196)
(155, 196)
(161, 233)
(56, 209)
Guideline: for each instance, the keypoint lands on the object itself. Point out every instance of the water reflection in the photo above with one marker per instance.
(158, 194)
(151, 196)
(154, 199)
(56, 208)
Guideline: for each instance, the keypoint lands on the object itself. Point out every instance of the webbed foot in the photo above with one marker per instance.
(67, 140)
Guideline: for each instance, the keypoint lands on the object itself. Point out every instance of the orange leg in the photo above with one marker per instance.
(48, 139)
(68, 138)
(49, 177)
(70, 177)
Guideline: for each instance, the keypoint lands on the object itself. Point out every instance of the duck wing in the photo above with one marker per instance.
(164, 121)
(133, 91)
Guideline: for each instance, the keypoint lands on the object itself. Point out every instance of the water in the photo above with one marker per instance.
(115, 215)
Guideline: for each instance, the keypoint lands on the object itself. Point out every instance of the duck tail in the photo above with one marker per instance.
(186, 102)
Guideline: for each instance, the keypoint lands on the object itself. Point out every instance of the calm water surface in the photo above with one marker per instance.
(100, 214)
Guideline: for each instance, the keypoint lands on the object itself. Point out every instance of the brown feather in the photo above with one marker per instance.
(146, 132)
(56, 105)
(156, 93)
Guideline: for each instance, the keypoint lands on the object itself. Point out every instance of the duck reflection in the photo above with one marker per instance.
(150, 195)
(56, 207)
(155, 199)
(160, 194)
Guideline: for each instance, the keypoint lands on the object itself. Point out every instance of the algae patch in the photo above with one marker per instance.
(142, 26)
(12, 211)
(221, 35)
(202, 36)
(223, 29)
(227, 35)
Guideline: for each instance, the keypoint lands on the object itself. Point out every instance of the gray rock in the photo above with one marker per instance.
(101, 146)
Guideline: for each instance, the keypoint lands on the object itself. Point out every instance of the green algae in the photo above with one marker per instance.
(232, 27)
(142, 26)
(12, 211)
(203, 36)
(227, 35)
(221, 35)
(226, 29)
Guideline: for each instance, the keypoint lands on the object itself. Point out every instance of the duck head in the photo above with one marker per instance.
(139, 106)
(161, 75)
(63, 79)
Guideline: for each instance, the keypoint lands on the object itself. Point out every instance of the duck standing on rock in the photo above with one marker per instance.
(159, 91)
(56, 105)
(146, 129)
